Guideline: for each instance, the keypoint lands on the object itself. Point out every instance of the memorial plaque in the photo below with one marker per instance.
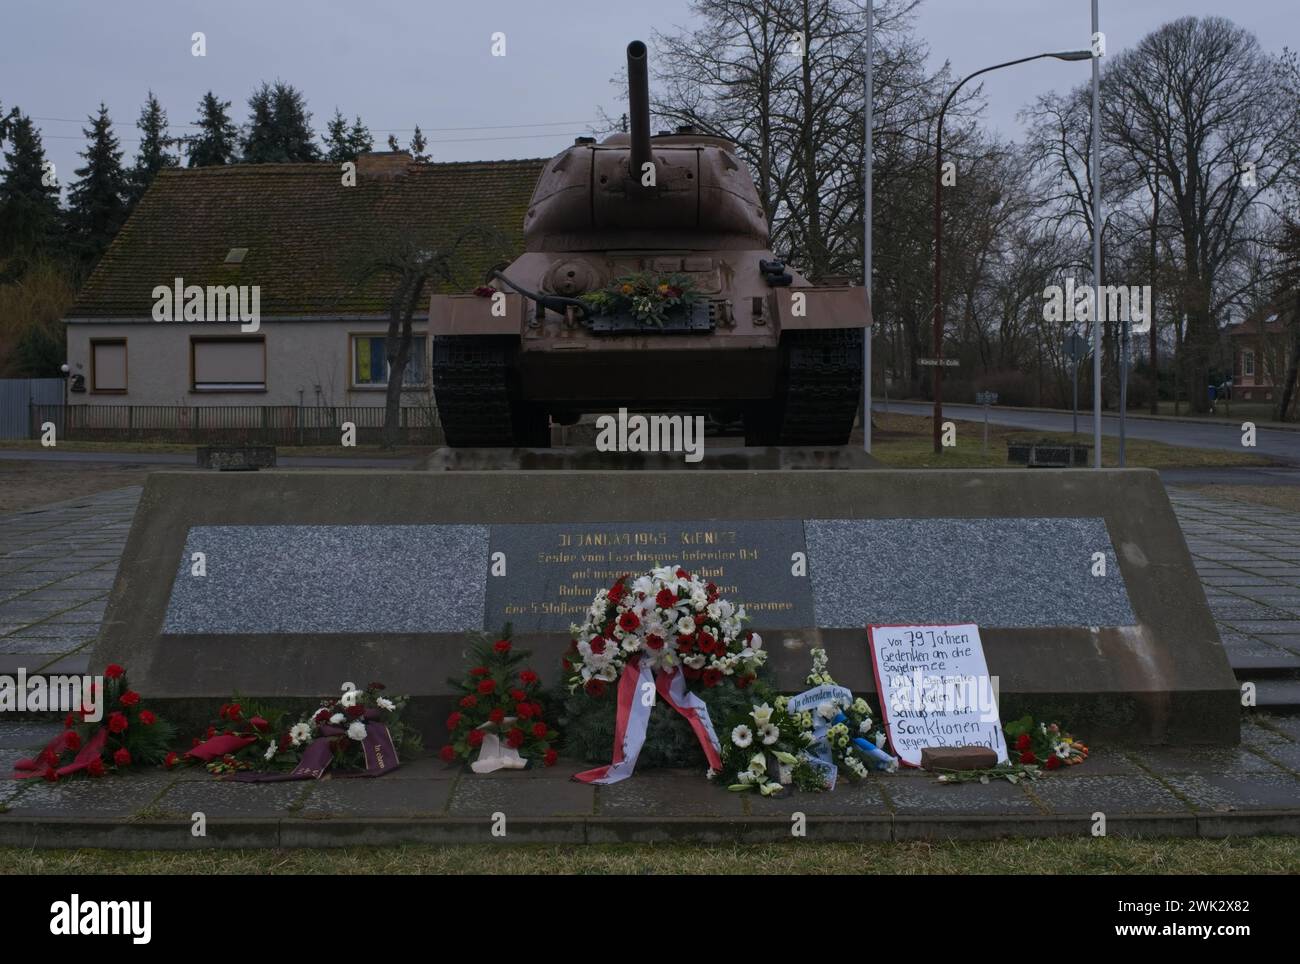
(329, 579)
(993, 572)
(554, 571)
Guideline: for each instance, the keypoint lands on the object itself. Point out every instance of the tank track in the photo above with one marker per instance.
(818, 393)
(475, 388)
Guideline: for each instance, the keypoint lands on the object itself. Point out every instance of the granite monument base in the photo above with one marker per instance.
(286, 584)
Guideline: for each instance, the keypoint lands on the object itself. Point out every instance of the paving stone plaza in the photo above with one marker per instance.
(58, 563)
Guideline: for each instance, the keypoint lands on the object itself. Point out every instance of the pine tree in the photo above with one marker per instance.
(337, 147)
(29, 196)
(359, 139)
(217, 140)
(97, 199)
(418, 144)
(392, 143)
(279, 126)
(154, 154)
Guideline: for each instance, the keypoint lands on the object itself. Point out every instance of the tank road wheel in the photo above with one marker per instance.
(475, 387)
(818, 393)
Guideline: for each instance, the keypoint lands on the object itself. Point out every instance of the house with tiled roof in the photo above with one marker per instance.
(167, 317)
(1260, 350)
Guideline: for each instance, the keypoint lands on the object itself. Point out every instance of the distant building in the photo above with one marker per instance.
(293, 240)
(1259, 355)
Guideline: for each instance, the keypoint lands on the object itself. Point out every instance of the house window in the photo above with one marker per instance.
(370, 362)
(1248, 362)
(228, 364)
(108, 366)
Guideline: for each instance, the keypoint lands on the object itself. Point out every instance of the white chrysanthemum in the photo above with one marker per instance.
(299, 733)
(357, 730)
(337, 718)
(770, 734)
(347, 687)
(685, 626)
(742, 736)
(386, 704)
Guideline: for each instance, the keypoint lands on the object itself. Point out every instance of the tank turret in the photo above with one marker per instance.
(646, 282)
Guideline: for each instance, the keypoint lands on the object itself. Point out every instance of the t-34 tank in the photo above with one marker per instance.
(647, 282)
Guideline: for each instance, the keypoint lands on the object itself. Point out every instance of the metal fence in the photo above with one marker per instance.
(209, 424)
(18, 395)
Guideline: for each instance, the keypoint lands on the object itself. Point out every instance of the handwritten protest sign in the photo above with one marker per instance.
(935, 689)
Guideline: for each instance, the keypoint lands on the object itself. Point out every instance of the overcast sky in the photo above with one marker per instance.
(429, 62)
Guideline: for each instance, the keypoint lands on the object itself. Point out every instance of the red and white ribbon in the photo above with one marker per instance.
(636, 698)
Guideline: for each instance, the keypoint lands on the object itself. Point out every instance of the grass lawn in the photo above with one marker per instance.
(1255, 855)
(906, 442)
(188, 448)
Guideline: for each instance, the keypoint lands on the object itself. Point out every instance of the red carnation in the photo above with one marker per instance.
(683, 574)
(147, 717)
(95, 767)
(707, 642)
(1023, 742)
(448, 753)
(550, 758)
(701, 619)
(711, 677)
(595, 687)
(628, 622)
(502, 646)
(122, 757)
(710, 587)
(1053, 762)
(129, 698)
(497, 715)
(354, 712)
(113, 671)
(665, 599)
(515, 738)
(479, 671)
(653, 641)
(170, 760)
(523, 710)
(453, 721)
(690, 672)
(685, 644)
(1028, 757)
(518, 695)
(487, 686)
(468, 702)
(598, 645)
(528, 677)
(475, 737)
(117, 722)
(540, 730)
(71, 740)
(321, 716)
(743, 681)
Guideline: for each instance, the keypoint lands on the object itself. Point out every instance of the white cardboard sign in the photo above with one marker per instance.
(934, 689)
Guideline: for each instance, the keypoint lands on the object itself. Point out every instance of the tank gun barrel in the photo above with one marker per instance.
(638, 108)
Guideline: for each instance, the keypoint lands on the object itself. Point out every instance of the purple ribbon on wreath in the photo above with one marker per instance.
(377, 749)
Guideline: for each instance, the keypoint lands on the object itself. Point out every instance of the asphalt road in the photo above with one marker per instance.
(1280, 445)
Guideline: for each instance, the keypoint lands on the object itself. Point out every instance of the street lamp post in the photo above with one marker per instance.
(867, 121)
(938, 226)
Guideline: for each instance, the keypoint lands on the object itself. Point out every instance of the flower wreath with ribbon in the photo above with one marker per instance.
(665, 634)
